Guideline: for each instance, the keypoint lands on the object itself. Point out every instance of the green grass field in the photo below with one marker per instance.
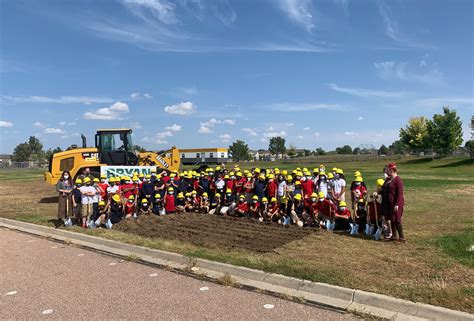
(435, 265)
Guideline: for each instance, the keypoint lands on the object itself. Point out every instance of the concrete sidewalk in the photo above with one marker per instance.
(40, 278)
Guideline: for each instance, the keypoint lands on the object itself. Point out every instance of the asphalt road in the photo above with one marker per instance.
(44, 279)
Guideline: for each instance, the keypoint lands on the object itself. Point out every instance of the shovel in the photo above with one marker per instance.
(378, 233)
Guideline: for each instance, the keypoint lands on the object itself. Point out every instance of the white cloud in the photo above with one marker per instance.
(360, 118)
(164, 134)
(39, 125)
(250, 131)
(64, 123)
(185, 91)
(316, 134)
(350, 133)
(289, 124)
(367, 92)
(174, 128)
(155, 140)
(300, 137)
(57, 100)
(263, 140)
(147, 96)
(4, 123)
(230, 122)
(134, 95)
(225, 138)
(70, 136)
(51, 130)
(113, 112)
(424, 60)
(439, 102)
(135, 125)
(306, 129)
(183, 109)
(205, 130)
(299, 11)
(271, 134)
(389, 70)
(163, 10)
(271, 129)
(138, 95)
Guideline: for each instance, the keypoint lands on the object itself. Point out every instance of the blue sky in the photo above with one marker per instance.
(203, 73)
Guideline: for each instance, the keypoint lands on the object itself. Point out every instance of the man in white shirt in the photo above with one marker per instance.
(88, 193)
(339, 185)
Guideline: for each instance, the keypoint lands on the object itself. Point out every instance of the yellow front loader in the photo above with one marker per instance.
(113, 155)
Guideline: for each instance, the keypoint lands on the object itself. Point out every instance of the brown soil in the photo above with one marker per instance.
(211, 231)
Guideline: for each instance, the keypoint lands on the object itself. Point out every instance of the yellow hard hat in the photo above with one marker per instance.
(78, 181)
(339, 171)
(204, 194)
(299, 173)
(289, 177)
(228, 191)
(264, 199)
(322, 174)
(298, 183)
(144, 201)
(294, 172)
(361, 201)
(315, 170)
(357, 173)
(277, 171)
(172, 175)
(359, 179)
(255, 197)
(218, 168)
(141, 175)
(193, 193)
(342, 204)
(101, 203)
(148, 176)
(380, 182)
(180, 195)
(273, 199)
(188, 194)
(321, 195)
(261, 176)
(239, 174)
(135, 179)
(125, 178)
(116, 198)
(298, 197)
(284, 172)
(153, 170)
(218, 195)
(96, 180)
(170, 189)
(242, 196)
(87, 180)
(298, 168)
(330, 175)
(334, 169)
(257, 170)
(226, 177)
(314, 195)
(157, 195)
(131, 197)
(103, 176)
(271, 176)
(249, 175)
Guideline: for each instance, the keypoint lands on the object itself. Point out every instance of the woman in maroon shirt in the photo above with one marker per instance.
(395, 201)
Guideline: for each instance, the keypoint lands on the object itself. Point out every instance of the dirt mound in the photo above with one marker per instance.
(213, 231)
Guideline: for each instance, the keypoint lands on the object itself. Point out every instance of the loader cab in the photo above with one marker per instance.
(115, 147)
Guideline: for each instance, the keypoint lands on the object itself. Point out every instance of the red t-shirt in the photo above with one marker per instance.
(243, 206)
(272, 188)
(129, 208)
(124, 187)
(273, 207)
(307, 187)
(255, 206)
(324, 207)
(345, 213)
(104, 187)
(165, 179)
(230, 184)
(169, 206)
(239, 189)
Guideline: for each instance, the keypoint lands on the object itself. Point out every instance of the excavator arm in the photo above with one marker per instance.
(169, 160)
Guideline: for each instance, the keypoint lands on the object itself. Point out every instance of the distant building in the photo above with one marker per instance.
(204, 156)
(5, 160)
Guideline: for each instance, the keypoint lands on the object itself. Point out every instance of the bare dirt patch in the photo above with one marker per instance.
(213, 231)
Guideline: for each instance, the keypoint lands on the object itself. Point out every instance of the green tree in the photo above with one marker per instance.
(21, 153)
(415, 133)
(277, 145)
(139, 148)
(383, 150)
(292, 151)
(445, 131)
(239, 151)
(346, 149)
(356, 151)
(319, 151)
(307, 152)
(57, 150)
(397, 147)
(35, 145)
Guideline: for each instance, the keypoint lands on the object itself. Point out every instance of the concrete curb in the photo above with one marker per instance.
(318, 293)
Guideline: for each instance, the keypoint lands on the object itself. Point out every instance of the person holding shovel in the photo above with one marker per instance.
(396, 202)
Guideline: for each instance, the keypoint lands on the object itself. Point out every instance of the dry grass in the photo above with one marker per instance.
(227, 280)
(418, 270)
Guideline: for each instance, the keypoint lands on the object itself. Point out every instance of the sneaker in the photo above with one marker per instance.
(109, 224)
(97, 222)
(69, 222)
(91, 224)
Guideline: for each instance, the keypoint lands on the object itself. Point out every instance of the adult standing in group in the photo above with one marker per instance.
(64, 187)
(393, 203)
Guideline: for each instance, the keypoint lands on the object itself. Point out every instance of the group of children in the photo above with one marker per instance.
(298, 197)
